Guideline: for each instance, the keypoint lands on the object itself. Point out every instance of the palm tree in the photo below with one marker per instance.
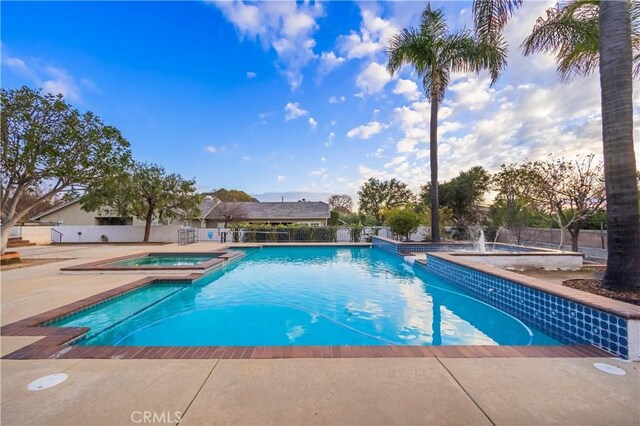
(580, 47)
(435, 53)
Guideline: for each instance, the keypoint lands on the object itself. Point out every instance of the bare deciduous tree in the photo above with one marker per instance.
(568, 191)
(341, 202)
(230, 212)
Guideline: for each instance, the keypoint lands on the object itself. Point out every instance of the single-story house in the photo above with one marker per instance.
(312, 213)
(72, 214)
(211, 215)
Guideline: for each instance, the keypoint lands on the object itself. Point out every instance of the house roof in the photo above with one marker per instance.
(206, 206)
(55, 209)
(279, 210)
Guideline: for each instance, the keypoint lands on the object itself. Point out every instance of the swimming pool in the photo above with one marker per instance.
(304, 296)
(170, 259)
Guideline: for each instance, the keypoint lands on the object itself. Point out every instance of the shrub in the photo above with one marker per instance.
(403, 221)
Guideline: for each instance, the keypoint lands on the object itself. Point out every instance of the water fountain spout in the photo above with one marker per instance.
(480, 245)
(495, 240)
(482, 242)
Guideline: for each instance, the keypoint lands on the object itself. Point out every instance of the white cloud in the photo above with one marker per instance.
(408, 89)
(18, 66)
(251, 74)
(372, 79)
(323, 159)
(329, 61)
(449, 126)
(372, 38)
(60, 82)
(51, 79)
(285, 27)
(312, 122)
(336, 99)
(281, 179)
(293, 111)
(472, 92)
(211, 149)
(396, 161)
(319, 172)
(366, 131)
(330, 139)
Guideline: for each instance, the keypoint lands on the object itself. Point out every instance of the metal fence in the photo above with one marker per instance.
(187, 236)
(332, 234)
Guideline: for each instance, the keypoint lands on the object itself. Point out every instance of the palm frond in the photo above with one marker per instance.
(490, 17)
(433, 23)
(571, 31)
(409, 47)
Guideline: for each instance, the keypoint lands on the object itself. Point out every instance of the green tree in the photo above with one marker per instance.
(231, 195)
(615, 63)
(49, 147)
(435, 53)
(403, 221)
(147, 192)
(463, 194)
(514, 208)
(334, 219)
(375, 196)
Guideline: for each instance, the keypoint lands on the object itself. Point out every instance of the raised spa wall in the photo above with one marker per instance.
(569, 315)
(508, 257)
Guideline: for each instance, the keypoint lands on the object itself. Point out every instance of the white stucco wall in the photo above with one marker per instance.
(117, 234)
(36, 234)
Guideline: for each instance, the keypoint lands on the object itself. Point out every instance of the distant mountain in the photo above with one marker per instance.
(230, 195)
(293, 196)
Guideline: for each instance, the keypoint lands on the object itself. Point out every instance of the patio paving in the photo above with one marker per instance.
(288, 391)
(403, 391)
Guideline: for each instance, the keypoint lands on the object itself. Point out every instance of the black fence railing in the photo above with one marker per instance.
(56, 236)
(299, 234)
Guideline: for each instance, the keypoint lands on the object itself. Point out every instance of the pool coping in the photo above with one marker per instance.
(57, 341)
(105, 265)
(534, 251)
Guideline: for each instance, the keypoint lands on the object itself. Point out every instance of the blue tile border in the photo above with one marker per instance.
(565, 320)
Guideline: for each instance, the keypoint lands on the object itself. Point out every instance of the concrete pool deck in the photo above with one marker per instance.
(285, 391)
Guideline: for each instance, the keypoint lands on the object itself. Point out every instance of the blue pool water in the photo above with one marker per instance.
(305, 296)
(165, 260)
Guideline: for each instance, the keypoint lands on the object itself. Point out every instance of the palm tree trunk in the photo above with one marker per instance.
(433, 155)
(623, 220)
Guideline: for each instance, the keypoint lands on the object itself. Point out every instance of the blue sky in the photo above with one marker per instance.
(283, 96)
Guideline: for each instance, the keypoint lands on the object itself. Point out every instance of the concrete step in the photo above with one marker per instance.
(19, 242)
